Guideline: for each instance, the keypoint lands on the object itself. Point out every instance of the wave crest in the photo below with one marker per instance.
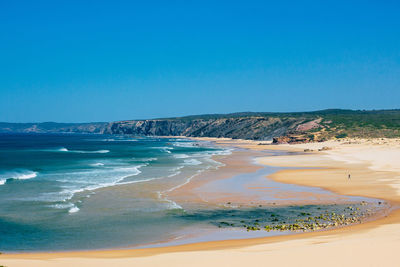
(63, 149)
(17, 175)
(97, 164)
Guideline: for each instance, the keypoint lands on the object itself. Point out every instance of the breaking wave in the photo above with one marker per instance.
(103, 151)
(17, 175)
(97, 164)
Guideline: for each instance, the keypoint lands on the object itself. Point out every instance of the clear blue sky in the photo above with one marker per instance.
(79, 61)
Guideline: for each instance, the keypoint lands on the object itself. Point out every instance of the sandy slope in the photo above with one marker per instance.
(375, 172)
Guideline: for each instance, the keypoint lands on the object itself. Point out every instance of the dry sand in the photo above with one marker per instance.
(374, 166)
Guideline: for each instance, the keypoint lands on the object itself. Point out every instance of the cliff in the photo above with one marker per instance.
(296, 127)
(256, 128)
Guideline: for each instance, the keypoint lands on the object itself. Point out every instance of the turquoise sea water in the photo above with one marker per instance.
(74, 192)
(47, 183)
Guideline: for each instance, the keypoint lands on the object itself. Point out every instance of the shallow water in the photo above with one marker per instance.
(66, 192)
(232, 223)
(74, 192)
(262, 190)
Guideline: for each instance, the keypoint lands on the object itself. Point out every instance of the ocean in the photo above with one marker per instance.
(76, 192)
(47, 182)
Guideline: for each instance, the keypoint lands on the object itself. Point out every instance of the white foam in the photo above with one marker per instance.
(70, 206)
(139, 181)
(192, 162)
(91, 152)
(89, 181)
(24, 176)
(63, 206)
(17, 175)
(150, 159)
(181, 156)
(222, 152)
(176, 171)
(97, 164)
(116, 140)
(177, 168)
(164, 149)
(185, 144)
(63, 149)
(132, 171)
(225, 152)
(184, 183)
(171, 205)
(204, 155)
(219, 164)
(73, 209)
(174, 174)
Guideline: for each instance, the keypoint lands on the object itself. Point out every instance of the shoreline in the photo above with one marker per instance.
(283, 176)
(248, 160)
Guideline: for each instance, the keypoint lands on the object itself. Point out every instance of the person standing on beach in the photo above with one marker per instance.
(348, 177)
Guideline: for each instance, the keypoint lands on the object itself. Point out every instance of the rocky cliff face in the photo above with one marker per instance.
(297, 127)
(254, 128)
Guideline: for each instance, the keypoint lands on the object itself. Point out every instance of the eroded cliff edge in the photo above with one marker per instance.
(295, 127)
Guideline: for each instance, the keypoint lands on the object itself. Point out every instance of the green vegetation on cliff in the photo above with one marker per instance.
(282, 127)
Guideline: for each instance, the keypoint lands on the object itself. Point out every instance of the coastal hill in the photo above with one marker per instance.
(53, 127)
(282, 127)
(294, 127)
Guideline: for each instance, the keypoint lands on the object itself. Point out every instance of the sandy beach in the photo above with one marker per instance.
(374, 167)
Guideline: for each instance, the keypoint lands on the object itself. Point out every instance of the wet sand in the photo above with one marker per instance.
(243, 181)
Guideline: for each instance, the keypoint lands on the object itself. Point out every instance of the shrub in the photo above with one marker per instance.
(342, 135)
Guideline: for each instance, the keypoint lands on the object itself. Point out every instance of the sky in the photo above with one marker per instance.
(83, 61)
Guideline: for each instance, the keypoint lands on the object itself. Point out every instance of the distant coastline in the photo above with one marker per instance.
(294, 127)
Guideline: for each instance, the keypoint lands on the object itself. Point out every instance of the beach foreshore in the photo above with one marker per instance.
(374, 168)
